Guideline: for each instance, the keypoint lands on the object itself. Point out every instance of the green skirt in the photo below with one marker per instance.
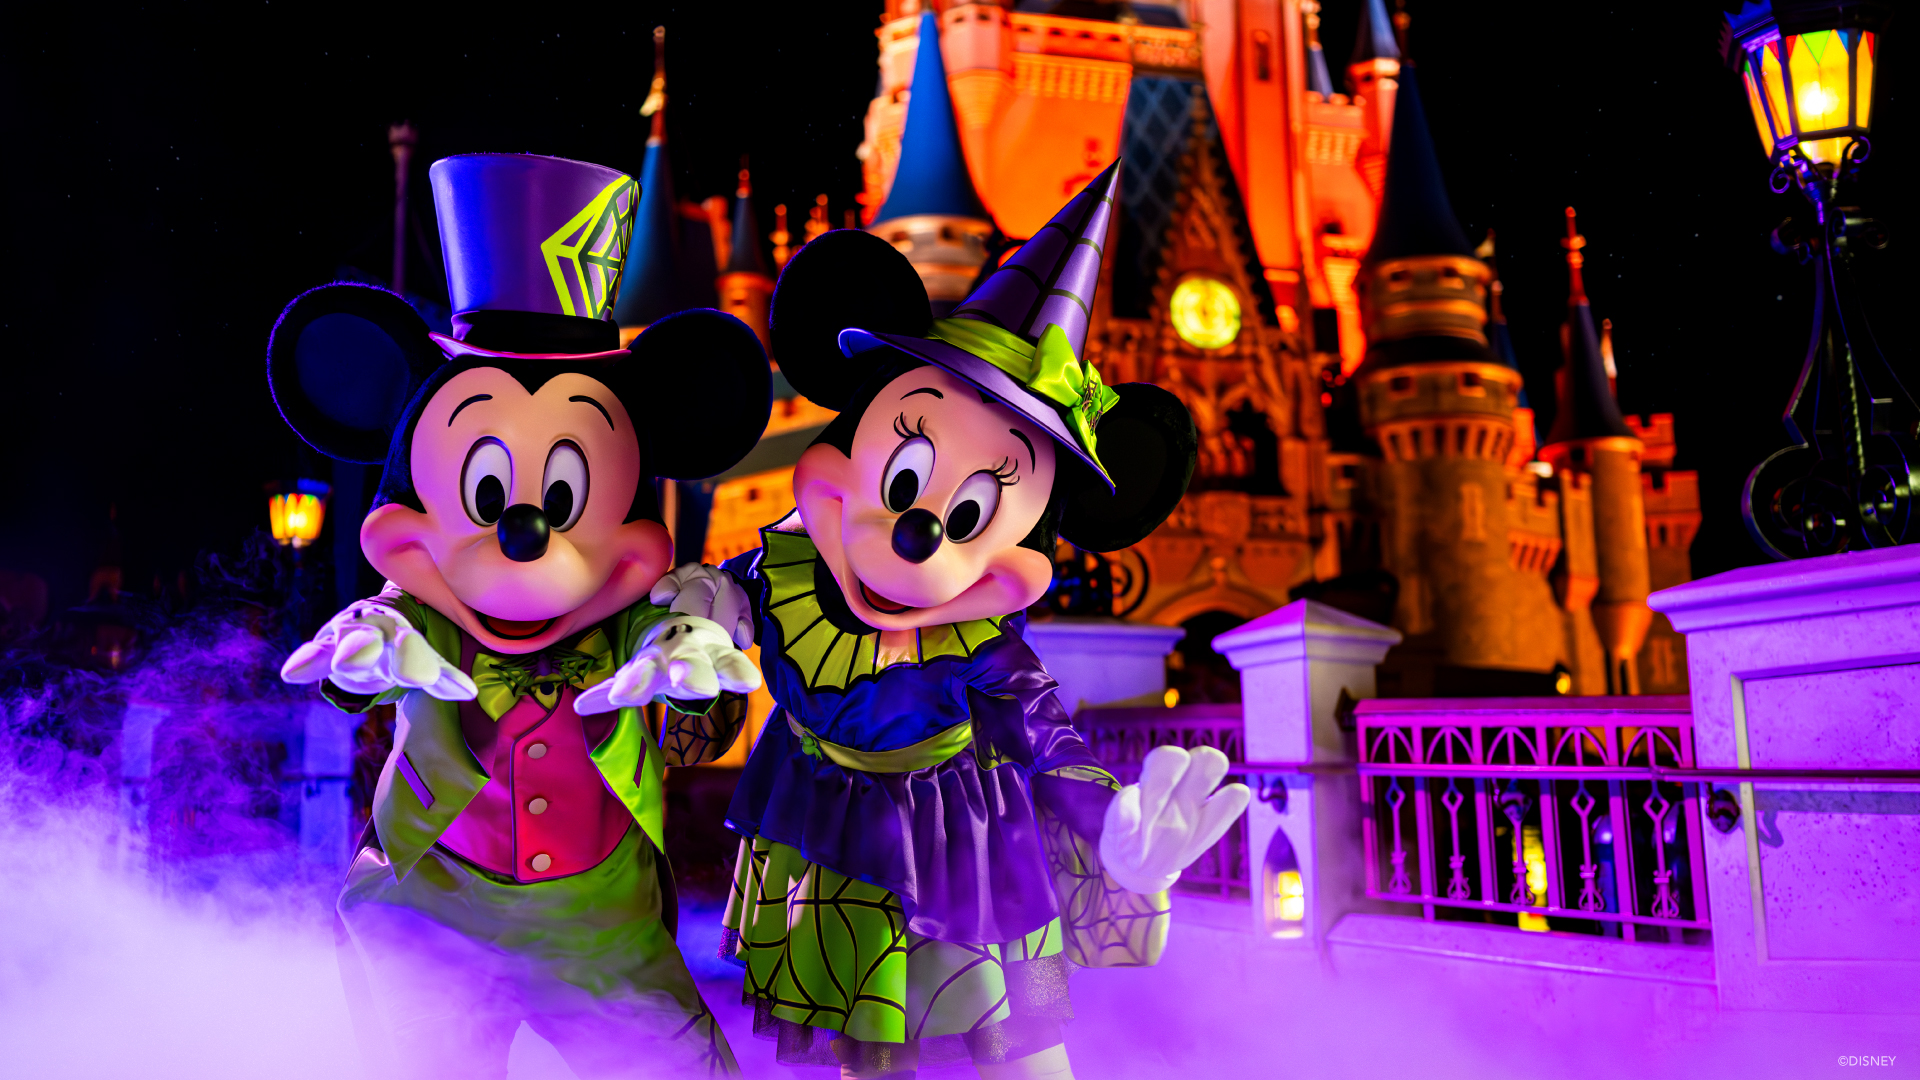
(822, 950)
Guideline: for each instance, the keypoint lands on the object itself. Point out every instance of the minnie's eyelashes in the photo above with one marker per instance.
(901, 429)
(1007, 472)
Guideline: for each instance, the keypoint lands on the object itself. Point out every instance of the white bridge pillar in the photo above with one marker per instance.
(1304, 860)
(1104, 661)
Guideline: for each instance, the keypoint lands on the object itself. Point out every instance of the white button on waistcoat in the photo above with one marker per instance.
(537, 806)
(540, 862)
(537, 750)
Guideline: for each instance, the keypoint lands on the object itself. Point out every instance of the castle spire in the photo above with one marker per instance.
(1416, 217)
(652, 286)
(744, 287)
(1375, 39)
(656, 103)
(1586, 408)
(744, 255)
(1590, 438)
(1319, 78)
(932, 175)
(932, 212)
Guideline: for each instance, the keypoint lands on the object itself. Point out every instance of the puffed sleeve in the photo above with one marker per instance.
(1014, 705)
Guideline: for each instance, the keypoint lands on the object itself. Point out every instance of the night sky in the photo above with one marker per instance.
(178, 173)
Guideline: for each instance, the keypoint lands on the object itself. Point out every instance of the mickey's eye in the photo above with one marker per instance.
(485, 481)
(907, 474)
(973, 507)
(563, 491)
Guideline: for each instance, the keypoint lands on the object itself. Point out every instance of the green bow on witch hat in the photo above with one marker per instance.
(1021, 337)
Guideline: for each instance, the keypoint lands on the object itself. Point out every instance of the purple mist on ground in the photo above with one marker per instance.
(169, 927)
(160, 915)
(155, 919)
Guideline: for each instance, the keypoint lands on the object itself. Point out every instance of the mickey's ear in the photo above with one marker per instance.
(1148, 444)
(343, 362)
(699, 388)
(844, 278)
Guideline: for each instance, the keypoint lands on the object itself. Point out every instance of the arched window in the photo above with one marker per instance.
(1285, 890)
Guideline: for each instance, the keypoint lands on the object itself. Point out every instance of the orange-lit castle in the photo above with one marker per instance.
(1284, 259)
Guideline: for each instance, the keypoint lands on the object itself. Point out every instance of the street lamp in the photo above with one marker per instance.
(1848, 481)
(295, 512)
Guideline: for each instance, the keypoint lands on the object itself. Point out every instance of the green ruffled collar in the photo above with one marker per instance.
(826, 657)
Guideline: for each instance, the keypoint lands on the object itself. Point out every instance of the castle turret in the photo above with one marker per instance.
(745, 287)
(1590, 443)
(1474, 602)
(932, 213)
(670, 261)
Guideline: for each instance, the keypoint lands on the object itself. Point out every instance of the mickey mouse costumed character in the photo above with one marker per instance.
(926, 841)
(513, 866)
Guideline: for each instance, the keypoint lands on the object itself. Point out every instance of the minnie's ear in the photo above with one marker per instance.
(343, 362)
(844, 278)
(1148, 444)
(699, 388)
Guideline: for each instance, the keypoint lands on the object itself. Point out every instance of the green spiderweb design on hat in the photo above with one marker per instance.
(587, 254)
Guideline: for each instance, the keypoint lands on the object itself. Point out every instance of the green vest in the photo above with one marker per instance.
(427, 731)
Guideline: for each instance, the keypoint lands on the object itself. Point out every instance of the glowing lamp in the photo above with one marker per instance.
(296, 516)
(1847, 481)
(1289, 896)
(1809, 74)
(1205, 312)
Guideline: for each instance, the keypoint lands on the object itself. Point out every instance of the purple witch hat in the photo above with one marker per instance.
(1021, 335)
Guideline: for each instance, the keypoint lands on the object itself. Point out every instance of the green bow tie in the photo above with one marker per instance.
(1049, 369)
(504, 680)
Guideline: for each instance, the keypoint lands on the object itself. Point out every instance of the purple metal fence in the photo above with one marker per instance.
(1120, 738)
(1554, 809)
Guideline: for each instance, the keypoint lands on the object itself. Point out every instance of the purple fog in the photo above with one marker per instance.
(160, 917)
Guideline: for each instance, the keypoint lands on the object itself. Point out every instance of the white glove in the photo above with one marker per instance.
(711, 593)
(371, 648)
(686, 657)
(1157, 827)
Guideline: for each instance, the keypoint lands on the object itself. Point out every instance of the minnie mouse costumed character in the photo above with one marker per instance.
(927, 843)
(513, 867)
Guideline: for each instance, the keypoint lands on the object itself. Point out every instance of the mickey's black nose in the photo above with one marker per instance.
(523, 532)
(916, 536)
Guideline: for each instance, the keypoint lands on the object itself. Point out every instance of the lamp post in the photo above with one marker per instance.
(295, 513)
(1848, 482)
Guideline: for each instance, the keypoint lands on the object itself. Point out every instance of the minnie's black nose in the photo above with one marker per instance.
(916, 536)
(523, 532)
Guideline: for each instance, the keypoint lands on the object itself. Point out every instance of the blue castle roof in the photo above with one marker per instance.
(932, 175)
(670, 261)
(1416, 217)
(1586, 408)
(1375, 39)
(1319, 79)
(743, 256)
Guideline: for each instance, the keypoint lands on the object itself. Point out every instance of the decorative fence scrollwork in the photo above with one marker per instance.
(1555, 812)
(1120, 738)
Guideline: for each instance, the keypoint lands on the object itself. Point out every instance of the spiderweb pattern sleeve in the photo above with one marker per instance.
(688, 738)
(1103, 924)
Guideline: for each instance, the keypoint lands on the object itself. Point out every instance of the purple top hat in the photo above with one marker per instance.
(534, 247)
(1021, 335)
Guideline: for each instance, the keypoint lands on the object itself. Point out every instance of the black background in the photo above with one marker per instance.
(176, 174)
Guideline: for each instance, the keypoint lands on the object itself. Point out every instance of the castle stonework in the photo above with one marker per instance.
(1284, 260)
